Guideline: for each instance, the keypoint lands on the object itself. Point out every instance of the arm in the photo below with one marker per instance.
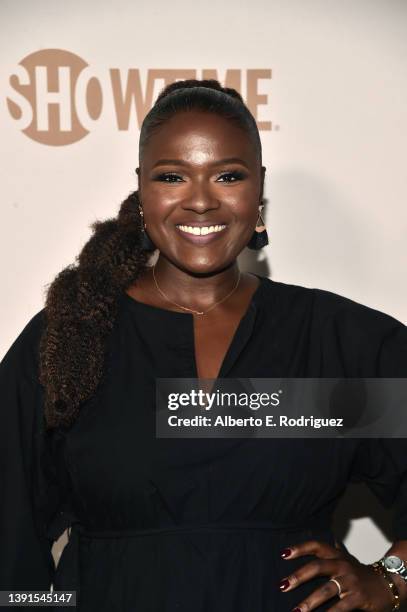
(28, 493)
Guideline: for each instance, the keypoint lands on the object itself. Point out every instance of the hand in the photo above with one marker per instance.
(361, 587)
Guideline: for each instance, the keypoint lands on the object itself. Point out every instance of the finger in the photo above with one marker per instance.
(343, 584)
(318, 548)
(350, 602)
(318, 597)
(317, 567)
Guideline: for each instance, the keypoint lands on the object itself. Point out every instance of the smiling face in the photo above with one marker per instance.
(200, 170)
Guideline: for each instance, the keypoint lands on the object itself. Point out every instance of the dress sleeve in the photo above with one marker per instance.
(29, 494)
(382, 462)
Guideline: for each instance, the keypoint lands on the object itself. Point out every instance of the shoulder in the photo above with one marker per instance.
(285, 298)
(329, 306)
(352, 316)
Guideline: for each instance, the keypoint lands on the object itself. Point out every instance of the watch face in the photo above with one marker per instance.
(393, 563)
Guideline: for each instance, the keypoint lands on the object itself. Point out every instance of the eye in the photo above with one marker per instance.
(235, 175)
(228, 177)
(167, 175)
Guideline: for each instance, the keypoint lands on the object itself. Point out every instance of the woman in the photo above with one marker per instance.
(177, 524)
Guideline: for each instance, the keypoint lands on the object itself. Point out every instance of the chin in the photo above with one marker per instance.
(202, 268)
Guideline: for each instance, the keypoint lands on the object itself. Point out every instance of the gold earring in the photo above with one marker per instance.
(260, 225)
(146, 243)
(259, 238)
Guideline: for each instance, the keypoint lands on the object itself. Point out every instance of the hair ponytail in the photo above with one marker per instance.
(80, 309)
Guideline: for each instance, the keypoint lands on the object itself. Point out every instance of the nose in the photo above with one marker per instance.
(201, 199)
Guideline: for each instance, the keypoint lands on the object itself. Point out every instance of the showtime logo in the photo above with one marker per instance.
(56, 100)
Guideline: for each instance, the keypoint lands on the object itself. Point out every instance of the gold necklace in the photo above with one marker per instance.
(191, 309)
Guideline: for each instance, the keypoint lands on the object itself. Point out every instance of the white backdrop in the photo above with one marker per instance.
(327, 82)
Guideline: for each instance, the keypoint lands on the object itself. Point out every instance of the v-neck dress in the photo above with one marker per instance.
(175, 525)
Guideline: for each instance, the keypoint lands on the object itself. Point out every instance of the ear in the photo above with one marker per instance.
(263, 174)
(137, 171)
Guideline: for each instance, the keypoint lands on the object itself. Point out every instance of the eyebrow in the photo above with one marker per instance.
(180, 162)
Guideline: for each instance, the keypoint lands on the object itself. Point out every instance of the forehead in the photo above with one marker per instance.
(196, 136)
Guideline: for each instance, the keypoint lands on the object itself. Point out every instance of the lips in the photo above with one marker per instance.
(201, 239)
(201, 223)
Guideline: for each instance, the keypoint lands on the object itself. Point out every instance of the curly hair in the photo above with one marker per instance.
(81, 302)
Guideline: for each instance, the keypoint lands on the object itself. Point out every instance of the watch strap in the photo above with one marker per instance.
(380, 570)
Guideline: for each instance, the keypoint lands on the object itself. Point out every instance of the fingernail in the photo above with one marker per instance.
(296, 610)
(286, 552)
(284, 584)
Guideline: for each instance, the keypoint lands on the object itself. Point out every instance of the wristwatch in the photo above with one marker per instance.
(394, 565)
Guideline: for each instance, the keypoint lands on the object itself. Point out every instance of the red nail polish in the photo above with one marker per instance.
(296, 610)
(284, 584)
(286, 552)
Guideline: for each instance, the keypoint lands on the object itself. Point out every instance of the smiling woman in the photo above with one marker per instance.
(214, 524)
(204, 179)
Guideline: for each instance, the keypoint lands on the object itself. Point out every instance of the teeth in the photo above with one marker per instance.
(201, 231)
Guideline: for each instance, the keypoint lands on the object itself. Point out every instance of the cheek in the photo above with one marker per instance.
(242, 199)
(246, 212)
(158, 197)
(157, 210)
(157, 192)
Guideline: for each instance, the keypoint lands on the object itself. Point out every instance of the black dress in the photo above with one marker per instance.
(175, 525)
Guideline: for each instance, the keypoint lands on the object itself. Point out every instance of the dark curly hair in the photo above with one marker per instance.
(81, 302)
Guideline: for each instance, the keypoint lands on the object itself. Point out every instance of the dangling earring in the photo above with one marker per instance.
(146, 243)
(259, 237)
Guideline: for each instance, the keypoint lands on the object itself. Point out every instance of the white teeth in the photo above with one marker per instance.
(201, 231)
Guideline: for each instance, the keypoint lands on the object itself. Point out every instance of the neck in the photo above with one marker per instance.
(198, 291)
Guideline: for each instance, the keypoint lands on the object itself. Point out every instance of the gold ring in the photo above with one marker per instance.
(337, 584)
